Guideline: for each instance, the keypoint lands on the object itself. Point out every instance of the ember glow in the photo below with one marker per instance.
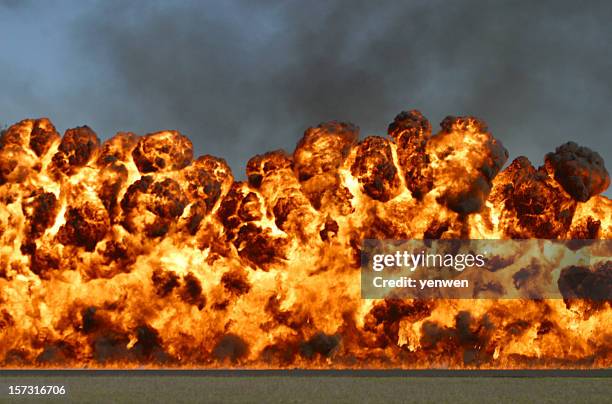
(131, 253)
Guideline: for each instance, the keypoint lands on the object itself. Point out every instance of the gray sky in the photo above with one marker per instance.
(245, 77)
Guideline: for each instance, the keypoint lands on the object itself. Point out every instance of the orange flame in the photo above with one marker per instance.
(128, 253)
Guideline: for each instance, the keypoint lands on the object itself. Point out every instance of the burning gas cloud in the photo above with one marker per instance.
(130, 253)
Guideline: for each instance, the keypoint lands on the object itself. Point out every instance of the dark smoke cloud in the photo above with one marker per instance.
(241, 78)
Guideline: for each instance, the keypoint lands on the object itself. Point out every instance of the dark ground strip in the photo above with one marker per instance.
(318, 387)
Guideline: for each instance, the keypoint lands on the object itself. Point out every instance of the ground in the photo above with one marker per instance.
(341, 387)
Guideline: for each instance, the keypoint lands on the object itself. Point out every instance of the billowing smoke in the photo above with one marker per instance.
(243, 77)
